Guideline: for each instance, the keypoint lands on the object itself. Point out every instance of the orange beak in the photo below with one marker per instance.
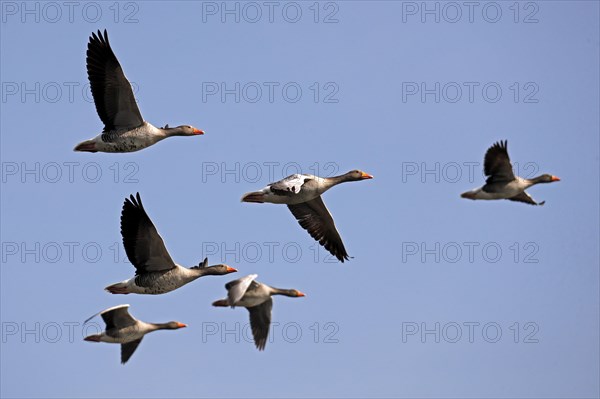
(198, 131)
(231, 270)
(554, 178)
(366, 176)
(301, 293)
(181, 325)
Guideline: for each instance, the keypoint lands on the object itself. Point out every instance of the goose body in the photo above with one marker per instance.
(502, 190)
(161, 282)
(302, 194)
(122, 328)
(124, 128)
(294, 189)
(256, 297)
(156, 272)
(501, 182)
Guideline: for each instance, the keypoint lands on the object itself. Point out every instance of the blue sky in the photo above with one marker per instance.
(445, 297)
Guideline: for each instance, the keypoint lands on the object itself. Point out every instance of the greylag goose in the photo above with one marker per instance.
(156, 273)
(124, 329)
(502, 183)
(256, 297)
(124, 128)
(302, 195)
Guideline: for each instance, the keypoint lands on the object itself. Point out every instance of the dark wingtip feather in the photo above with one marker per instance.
(260, 345)
(344, 257)
(501, 144)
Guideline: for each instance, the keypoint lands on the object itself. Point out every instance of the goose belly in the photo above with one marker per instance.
(484, 195)
(122, 336)
(160, 283)
(250, 301)
(500, 192)
(302, 196)
(128, 140)
(254, 297)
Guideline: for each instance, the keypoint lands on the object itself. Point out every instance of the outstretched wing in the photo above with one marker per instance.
(526, 198)
(145, 248)
(260, 321)
(128, 349)
(496, 163)
(115, 317)
(314, 217)
(113, 96)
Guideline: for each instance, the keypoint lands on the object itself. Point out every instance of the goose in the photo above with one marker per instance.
(156, 273)
(124, 128)
(256, 297)
(502, 183)
(302, 194)
(124, 329)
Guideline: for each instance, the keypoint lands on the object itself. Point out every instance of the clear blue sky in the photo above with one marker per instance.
(424, 259)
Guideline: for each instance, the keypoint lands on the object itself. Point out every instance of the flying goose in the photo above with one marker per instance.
(302, 194)
(502, 183)
(124, 329)
(256, 297)
(156, 273)
(124, 128)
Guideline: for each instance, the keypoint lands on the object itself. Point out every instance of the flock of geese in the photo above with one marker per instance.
(125, 130)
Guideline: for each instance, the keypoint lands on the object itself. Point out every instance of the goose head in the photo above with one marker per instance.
(546, 178)
(355, 175)
(183, 130)
(173, 325)
(219, 270)
(291, 292)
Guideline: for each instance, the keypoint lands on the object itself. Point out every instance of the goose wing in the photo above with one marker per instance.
(290, 185)
(260, 322)
(113, 96)
(128, 349)
(314, 217)
(115, 317)
(496, 163)
(526, 198)
(145, 248)
(237, 288)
